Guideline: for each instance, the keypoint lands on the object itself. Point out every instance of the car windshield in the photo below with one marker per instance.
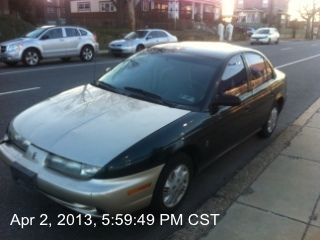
(177, 78)
(35, 33)
(136, 34)
(263, 31)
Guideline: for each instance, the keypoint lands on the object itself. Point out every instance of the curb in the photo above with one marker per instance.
(243, 179)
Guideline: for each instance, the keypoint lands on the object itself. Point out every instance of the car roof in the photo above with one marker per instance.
(151, 29)
(207, 49)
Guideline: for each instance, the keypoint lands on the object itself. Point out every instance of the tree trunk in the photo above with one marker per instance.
(132, 14)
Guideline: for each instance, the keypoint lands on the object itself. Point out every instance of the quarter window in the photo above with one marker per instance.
(83, 32)
(234, 79)
(72, 32)
(258, 69)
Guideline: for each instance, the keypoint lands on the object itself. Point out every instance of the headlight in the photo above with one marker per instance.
(17, 139)
(71, 168)
(14, 47)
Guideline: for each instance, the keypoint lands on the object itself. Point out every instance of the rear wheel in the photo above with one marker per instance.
(277, 42)
(87, 54)
(31, 57)
(173, 183)
(269, 127)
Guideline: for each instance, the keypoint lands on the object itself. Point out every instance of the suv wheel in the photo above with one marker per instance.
(269, 127)
(31, 57)
(140, 47)
(87, 53)
(173, 184)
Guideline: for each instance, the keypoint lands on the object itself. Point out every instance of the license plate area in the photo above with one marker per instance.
(23, 176)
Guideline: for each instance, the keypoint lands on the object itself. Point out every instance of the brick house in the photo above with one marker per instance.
(4, 7)
(261, 12)
(152, 13)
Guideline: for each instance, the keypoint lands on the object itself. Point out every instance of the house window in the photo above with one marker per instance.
(107, 6)
(265, 3)
(145, 5)
(84, 7)
(160, 6)
(51, 10)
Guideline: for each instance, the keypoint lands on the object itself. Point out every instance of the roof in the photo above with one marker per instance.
(208, 49)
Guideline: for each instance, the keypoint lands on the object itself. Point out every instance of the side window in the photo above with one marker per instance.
(72, 32)
(269, 71)
(54, 33)
(153, 34)
(258, 69)
(234, 78)
(161, 34)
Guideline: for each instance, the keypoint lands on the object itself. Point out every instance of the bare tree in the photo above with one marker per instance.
(309, 13)
(120, 6)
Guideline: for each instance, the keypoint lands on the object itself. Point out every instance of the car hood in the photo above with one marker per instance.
(15, 41)
(92, 125)
(125, 42)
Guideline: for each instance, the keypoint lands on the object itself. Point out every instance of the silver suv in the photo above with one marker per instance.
(50, 42)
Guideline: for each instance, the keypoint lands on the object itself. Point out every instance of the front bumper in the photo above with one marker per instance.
(259, 40)
(122, 50)
(10, 56)
(118, 195)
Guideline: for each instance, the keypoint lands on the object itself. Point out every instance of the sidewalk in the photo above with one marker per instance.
(283, 203)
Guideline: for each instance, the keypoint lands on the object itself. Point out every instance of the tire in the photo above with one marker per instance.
(277, 42)
(271, 124)
(140, 47)
(269, 41)
(31, 57)
(87, 54)
(11, 64)
(66, 59)
(175, 177)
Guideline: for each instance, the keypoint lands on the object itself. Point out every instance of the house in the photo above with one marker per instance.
(4, 7)
(152, 13)
(261, 12)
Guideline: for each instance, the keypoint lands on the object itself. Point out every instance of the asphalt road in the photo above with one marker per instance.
(21, 87)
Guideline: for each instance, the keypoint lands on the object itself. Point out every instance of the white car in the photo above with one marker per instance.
(265, 35)
(140, 39)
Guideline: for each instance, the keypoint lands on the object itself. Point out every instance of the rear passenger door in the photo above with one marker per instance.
(260, 77)
(73, 39)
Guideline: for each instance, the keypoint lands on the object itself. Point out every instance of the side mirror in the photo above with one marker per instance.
(227, 100)
(44, 37)
(149, 37)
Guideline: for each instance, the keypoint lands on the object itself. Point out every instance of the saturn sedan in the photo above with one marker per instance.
(139, 134)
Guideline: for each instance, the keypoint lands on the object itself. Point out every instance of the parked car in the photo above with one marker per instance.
(250, 31)
(140, 39)
(50, 42)
(265, 35)
(139, 134)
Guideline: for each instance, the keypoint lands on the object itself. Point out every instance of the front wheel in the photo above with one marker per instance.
(87, 54)
(140, 47)
(173, 183)
(269, 127)
(31, 57)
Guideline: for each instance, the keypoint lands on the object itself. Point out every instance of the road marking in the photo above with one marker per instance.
(285, 49)
(58, 67)
(298, 61)
(19, 91)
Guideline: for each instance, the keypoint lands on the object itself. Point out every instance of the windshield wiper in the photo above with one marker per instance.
(149, 95)
(107, 86)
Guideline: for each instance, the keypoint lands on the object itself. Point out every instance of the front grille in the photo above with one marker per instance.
(3, 49)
